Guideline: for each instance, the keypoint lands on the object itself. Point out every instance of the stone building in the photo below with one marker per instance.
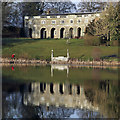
(68, 25)
(54, 94)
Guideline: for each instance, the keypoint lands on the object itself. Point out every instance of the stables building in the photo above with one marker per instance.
(68, 25)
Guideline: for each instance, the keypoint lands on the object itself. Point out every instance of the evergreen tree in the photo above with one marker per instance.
(108, 25)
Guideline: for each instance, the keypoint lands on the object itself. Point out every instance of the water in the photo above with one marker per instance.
(60, 91)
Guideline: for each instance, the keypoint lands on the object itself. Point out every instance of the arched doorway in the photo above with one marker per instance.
(43, 33)
(62, 33)
(52, 32)
(71, 32)
(30, 32)
(79, 32)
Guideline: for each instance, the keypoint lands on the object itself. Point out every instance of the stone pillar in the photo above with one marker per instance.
(38, 32)
(57, 33)
(73, 90)
(35, 87)
(81, 91)
(49, 32)
(35, 32)
(75, 30)
(82, 31)
(48, 89)
(56, 89)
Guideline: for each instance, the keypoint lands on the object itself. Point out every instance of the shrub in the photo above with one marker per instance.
(37, 57)
(114, 43)
(92, 40)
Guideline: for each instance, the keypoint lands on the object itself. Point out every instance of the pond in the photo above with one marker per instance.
(60, 91)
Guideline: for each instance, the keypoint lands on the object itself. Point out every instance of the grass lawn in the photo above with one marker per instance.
(41, 48)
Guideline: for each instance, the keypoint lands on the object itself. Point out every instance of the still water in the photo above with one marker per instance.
(60, 91)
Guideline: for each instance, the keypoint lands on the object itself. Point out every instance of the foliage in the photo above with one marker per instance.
(107, 26)
(11, 31)
(92, 40)
(13, 12)
(113, 43)
(6, 13)
(91, 6)
(60, 7)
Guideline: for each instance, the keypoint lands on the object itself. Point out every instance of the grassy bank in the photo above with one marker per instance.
(41, 48)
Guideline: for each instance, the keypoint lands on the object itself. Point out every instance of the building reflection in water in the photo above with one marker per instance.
(67, 95)
(59, 67)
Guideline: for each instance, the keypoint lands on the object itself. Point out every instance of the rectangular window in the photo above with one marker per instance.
(62, 21)
(71, 21)
(63, 16)
(43, 16)
(53, 16)
(53, 22)
(78, 21)
(79, 15)
(85, 15)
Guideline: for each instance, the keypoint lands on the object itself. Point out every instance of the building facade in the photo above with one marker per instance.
(58, 25)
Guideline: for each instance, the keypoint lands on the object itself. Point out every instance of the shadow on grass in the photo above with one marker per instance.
(10, 42)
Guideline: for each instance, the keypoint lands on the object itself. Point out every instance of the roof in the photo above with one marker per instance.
(80, 13)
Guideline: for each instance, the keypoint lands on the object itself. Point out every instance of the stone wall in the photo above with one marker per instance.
(67, 95)
(58, 25)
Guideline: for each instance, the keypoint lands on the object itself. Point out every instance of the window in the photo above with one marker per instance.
(53, 16)
(78, 21)
(86, 20)
(43, 16)
(53, 21)
(79, 15)
(71, 21)
(85, 15)
(62, 21)
(43, 22)
(63, 16)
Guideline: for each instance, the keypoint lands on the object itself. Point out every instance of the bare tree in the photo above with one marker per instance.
(91, 6)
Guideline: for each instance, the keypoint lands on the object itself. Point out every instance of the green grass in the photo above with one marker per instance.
(41, 48)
